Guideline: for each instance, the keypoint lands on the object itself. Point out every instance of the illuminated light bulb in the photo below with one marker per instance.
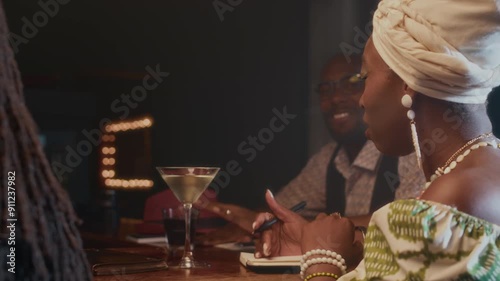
(105, 173)
(108, 128)
(111, 161)
(105, 150)
(111, 173)
(112, 150)
(111, 137)
(147, 122)
(128, 184)
(105, 161)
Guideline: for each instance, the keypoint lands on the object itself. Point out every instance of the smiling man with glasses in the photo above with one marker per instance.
(348, 175)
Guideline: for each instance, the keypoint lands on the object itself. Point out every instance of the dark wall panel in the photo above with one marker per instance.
(227, 79)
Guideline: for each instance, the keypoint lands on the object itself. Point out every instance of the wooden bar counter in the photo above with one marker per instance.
(225, 266)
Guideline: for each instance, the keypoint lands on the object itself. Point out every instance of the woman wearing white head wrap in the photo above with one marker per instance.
(429, 67)
(445, 49)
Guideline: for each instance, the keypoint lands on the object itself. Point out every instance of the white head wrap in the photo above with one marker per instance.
(445, 49)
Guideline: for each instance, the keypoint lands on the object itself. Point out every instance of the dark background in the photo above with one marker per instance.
(225, 79)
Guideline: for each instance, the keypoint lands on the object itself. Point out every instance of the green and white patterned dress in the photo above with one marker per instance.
(422, 240)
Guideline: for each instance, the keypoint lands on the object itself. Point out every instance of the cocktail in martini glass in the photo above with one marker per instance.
(187, 184)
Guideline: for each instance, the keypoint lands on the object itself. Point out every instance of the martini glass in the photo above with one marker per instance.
(187, 184)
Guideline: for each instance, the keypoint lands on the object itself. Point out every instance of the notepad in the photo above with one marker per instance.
(146, 239)
(286, 263)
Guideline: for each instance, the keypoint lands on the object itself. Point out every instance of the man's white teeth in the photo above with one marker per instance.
(340, 115)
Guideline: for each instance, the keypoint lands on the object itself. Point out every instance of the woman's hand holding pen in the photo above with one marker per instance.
(283, 238)
(335, 233)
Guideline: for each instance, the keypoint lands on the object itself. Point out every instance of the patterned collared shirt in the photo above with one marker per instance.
(310, 184)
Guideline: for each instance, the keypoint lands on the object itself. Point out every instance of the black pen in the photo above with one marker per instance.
(269, 223)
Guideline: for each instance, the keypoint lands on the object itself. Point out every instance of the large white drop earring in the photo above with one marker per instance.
(407, 102)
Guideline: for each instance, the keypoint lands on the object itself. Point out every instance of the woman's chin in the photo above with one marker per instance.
(395, 151)
(387, 147)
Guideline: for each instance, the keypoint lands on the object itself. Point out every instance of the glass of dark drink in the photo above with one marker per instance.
(175, 228)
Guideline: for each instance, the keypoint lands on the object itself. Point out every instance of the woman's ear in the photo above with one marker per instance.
(409, 91)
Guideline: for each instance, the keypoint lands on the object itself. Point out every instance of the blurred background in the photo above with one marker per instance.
(185, 83)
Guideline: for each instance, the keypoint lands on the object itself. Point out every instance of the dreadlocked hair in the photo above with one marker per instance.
(47, 242)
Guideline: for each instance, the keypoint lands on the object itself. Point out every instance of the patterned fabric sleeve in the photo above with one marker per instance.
(309, 185)
(422, 240)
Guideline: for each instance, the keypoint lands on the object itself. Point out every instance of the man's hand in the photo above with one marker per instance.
(240, 216)
(228, 233)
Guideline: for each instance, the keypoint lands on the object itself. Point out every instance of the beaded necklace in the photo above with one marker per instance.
(468, 147)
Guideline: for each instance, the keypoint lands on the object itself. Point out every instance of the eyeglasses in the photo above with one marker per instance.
(349, 85)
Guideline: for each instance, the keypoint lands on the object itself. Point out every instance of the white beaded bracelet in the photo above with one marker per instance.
(336, 260)
(324, 253)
